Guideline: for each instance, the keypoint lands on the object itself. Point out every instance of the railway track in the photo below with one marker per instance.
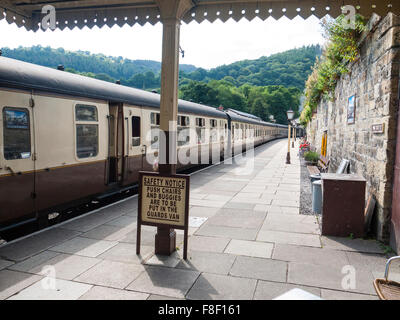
(65, 215)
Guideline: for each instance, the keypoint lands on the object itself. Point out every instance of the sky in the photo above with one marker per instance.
(206, 45)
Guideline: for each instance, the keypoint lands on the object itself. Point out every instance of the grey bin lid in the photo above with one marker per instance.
(318, 182)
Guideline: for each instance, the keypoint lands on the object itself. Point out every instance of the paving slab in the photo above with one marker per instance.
(93, 220)
(209, 244)
(239, 205)
(197, 211)
(250, 248)
(208, 203)
(370, 261)
(261, 208)
(259, 268)
(309, 240)
(250, 222)
(316, 256)
(126, 252)
(285, 203)
(164, 281)
(63, 290)
(267, 290)
(158, 297)
(227, 232)
(291, 226)
(218, 197)
(283, 209)
(330, 277)
(84, 246)
(196, 222)
(5, 264)
(347, 244)
(123, 221)
(111, 274)
(34, 261)
(34, 244)
(104, 293)
(66, 266)
(164, 261)
(210, 262)
(11, 282)
(343, 295)
(219, 287)
(109, 232)
(298, 218)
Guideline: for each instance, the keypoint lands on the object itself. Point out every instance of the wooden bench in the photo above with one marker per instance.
(322, 166)
(313, 170)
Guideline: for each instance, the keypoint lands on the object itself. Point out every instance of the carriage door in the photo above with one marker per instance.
(17, 168)
(115, 145)
(134, 149)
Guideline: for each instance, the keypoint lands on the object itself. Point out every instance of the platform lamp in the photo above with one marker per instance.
(290, 115)
(271, 118)
(293, 133)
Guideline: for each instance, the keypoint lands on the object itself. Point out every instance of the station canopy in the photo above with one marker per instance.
(90, 13)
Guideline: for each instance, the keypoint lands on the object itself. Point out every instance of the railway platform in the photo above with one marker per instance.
(247, 240)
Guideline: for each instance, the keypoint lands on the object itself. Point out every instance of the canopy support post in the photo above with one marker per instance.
(171, 12)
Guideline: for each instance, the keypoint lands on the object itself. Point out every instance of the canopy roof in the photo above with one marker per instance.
(90, 13)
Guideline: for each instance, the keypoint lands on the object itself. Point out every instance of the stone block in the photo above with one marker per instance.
(258, 268)
(220, 287)
(164, 281)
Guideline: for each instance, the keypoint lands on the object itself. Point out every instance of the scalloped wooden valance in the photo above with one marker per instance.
(90, 13)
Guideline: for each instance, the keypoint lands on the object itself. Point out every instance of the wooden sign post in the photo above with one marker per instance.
(163, 201)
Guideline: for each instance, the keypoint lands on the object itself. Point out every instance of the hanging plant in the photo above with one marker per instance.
(341, 50)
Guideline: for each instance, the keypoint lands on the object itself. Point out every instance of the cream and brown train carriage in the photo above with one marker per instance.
(66, 139)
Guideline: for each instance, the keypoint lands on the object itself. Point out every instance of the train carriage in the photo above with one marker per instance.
(66, 139)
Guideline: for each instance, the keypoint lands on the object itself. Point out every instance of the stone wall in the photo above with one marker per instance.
(374, 80)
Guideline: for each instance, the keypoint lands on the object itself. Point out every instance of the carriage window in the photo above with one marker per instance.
(213, 123)
(213, 132)
(183, 130)
(183, 121)
(17, 135)
(87, 134)
(155, 118)
(87, 140)
(155, 130)
(135, 131)
(86, 113)
(200, 130)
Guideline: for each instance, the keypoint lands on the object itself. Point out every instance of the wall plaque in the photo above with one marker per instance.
(378, 128)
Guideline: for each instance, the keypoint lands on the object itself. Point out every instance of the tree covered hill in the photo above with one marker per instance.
(85, 62)
(264, 87)
(289, 68)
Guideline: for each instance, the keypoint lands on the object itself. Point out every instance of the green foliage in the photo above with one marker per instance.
(290, 68)
(137, 73)
(341, 50)
(260, 101)
(264, 87)
(311, 156)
